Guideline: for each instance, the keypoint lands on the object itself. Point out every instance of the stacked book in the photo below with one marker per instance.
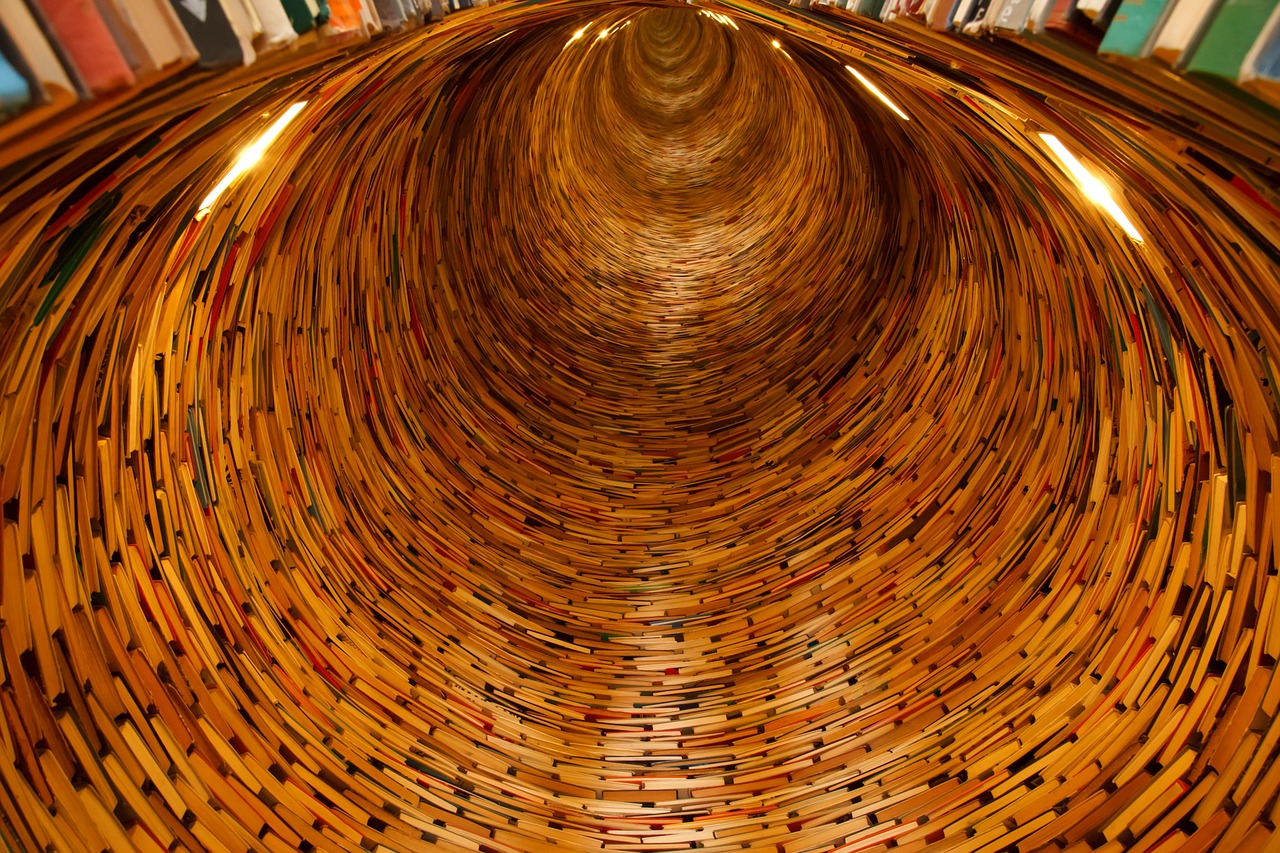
(635, 429)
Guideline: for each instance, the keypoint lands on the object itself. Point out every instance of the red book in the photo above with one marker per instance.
(79, 26)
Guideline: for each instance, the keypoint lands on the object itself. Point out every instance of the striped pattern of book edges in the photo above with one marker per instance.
(643, 429)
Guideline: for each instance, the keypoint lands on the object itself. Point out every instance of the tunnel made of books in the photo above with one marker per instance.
(643, 428)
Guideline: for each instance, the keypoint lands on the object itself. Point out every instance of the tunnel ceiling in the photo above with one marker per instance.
(614, 427)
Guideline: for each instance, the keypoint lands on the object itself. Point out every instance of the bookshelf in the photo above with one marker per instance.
(616, 428)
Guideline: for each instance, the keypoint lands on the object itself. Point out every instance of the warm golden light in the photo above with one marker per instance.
(1089, 184)
(723, 19)
(875, 90)
(607, 31)
(578, 35)
(249, 157)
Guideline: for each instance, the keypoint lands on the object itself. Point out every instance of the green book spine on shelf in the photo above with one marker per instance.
(1132, 31)
(299, 15)
(1233, 32)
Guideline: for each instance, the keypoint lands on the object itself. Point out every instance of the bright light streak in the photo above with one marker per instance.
(777, 45)
(249, 157)
(579, 34)
(720, 18)
(1093, 188)
(607, 31)
(875, 90)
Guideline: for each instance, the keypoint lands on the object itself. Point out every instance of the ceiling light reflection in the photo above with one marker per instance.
(1089, 184)
(248, 157)
(875, 90)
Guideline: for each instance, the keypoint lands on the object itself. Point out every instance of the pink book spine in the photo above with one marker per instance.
(79, 26)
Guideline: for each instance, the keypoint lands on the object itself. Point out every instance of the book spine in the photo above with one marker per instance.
(1132, 30)
(1228, 40)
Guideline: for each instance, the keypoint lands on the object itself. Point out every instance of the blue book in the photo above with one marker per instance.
(15, 93)
(1261, 69)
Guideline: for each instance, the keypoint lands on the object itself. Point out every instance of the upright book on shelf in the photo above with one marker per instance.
(79, 26)
(1012, 16)
(1065, 20)
(1134, 27)
(276, 28)
(15, 93)
(56, 88)
(156, 26)
(1260, 71)
(1230, 37)
(1183, 29)
(212, 33)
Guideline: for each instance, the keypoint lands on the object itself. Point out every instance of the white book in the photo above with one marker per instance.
(151, 30)
(962, 12)
(163, 33)
(1040, 10)
(1268, 37)
(1182, 30)
(36, 50)
(242, 25)
(276, 31)
(369, 20)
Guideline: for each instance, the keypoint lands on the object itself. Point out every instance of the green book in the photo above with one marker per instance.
(299, 15)
(1222, 51)
(1134, 27)
(866, 8)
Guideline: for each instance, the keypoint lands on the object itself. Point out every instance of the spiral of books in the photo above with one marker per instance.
(642, 428)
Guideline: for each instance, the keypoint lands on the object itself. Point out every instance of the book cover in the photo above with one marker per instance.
(81, 30)
(15, 92)
(962, 13)
(126, 37)
(1260, 72)
(300, 15)
(1230, 36)
(211, 32)
(977, 14)
(941, 14)
(277, 28)
(1183, 29)
(29, 40)
(161, 31)
(1012, 16)
(1067, 22)
(1133, 28)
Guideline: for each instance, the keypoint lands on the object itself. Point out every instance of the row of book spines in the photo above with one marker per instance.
(1237, 40)
(53, 52)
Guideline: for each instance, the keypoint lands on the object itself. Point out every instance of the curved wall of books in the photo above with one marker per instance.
(644, 429)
